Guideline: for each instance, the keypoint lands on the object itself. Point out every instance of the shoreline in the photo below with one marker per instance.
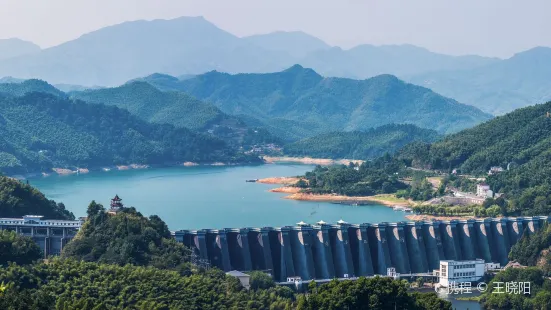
(310, 160)
(340, 198)
(296, 194)
(279, 180)
(267, 160)
(70, 171)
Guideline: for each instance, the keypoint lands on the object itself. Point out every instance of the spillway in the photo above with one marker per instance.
(327, 251)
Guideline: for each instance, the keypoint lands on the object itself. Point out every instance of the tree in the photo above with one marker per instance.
(420, 281)
(126, 238)
(493, 211)
(94, 209)
(260, 280)
(18, 249)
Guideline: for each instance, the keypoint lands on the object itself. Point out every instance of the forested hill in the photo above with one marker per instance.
(361, 145)
(178, 109)
(520, 136)
(520, 140)
(40, 131)
(29, 86)
(18, 199)
(301, 94)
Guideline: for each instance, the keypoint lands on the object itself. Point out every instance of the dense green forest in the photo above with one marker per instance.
(335, 104)
(18, 199)
(374, 293)
(16, 248)
(40, 131)
(28, 86)
(519, 142)
(539, 297)
(379, 176)
(520, 137)
(70, 284)
(178, 109)
(372, 143)
(126, 238)
(534, 249)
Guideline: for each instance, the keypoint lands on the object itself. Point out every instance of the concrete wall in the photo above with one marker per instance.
(50, 240)
(328, 251)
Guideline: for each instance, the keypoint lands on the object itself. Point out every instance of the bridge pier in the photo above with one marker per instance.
(261, 256)
(379, 251)
(302, 252)
(341, 251)
(323, 257)
(360, 250)
(500, 240)
(416, 247)
(465, 235)
(482, 243)
(397, 246)
(448, 241)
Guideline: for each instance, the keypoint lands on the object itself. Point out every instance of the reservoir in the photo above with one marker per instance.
(205, 197)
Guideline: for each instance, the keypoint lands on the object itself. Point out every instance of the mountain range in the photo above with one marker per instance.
(10, 48)
(300, 95)
(191, 45)
(499, 87)
(371, 143)
(178, 109)
(40, 131)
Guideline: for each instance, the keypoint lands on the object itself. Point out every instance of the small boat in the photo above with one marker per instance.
(251, 180)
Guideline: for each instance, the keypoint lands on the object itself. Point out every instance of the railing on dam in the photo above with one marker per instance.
(350, 250)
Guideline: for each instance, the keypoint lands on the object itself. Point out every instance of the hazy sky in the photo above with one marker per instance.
(484, 27)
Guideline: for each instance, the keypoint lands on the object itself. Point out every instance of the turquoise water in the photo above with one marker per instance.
(205, 197)
(458, 304)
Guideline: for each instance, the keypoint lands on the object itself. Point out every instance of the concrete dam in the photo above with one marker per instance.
(327, 251)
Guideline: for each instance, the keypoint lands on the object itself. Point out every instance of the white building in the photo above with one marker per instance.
(242, 277)
(483, 190)
(461, 271)
(492, 266)
(50, 235)
(495, 170)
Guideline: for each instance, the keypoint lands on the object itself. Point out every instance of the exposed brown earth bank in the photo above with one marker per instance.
(286, 189)
(341, 198)
(279, 180)
(310, 161)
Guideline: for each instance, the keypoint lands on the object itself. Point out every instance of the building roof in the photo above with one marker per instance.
(514, 264)
(341, 222)
(321, 222)
(301, 223)
(116, 198)
(236, 273)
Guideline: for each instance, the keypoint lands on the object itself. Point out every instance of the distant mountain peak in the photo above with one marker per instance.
(536, 52)
(29, 86)
(14, 47)
(295, 43)
(295, 67)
